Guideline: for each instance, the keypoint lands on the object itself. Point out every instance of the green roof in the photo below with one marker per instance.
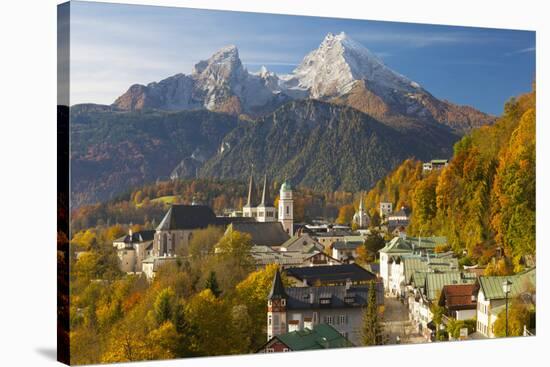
(322, 336)
(397, 245)
(286, 186)
(400, 245)
(427, 242)
(436, 281)
(419, 279)
(521, 283)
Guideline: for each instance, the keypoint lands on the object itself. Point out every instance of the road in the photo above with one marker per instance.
(396, 323)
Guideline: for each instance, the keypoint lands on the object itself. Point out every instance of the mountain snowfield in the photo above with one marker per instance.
(340, 70)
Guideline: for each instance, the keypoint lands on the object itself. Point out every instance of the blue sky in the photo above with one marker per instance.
(116, 45)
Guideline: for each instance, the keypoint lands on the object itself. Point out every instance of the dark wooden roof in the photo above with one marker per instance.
(277, 288)
(331, 274)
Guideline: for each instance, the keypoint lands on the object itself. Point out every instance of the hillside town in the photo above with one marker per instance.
(320, 290)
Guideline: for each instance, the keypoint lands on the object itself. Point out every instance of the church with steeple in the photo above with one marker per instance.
(361, 218)
(264, 211)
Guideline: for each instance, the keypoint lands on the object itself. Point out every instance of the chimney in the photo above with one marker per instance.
(308, 323)
(293, 325)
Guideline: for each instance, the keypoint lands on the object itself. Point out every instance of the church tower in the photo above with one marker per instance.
(286, 208)
(265, 212)
(361, 218)
(249, 210)
(276, 308)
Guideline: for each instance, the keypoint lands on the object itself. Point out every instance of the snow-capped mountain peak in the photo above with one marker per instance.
(338, 62)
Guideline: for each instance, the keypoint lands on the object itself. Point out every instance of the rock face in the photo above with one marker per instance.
(340, 71)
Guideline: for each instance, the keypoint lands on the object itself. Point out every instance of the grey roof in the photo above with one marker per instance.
(342, 245)
(187, 217)
(339, 296)
(331, 273)
(277, 287)
(262, 233)
(302, 243)
(136, 237)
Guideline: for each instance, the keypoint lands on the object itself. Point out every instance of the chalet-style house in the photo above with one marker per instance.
(340, 306)
(459, 300)
(491, 299)
(346, 250)
(311, 337)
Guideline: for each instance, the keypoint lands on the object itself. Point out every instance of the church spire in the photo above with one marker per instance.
(277, 287)
(250, 201)
(265, 193)
(361, 202)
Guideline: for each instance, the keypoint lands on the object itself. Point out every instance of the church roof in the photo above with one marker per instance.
(187, 217)
(263, 233)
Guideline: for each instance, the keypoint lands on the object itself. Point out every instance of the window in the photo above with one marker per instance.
(342, 319)
(269, 350)
(329, 320)
(269, 320)
(283, 302)
(286, 350)
(269, 303)
(287, 209)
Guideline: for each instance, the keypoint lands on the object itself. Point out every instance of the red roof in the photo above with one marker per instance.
(459, 296)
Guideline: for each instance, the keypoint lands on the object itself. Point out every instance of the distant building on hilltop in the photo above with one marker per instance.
(434, 165)
(133, 248)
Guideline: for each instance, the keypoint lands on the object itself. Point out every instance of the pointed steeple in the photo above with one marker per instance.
(361, 203)
(277, 288)
(265, 193)
(250, 202)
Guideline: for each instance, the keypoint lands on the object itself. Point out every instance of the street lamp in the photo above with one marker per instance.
(506, 288)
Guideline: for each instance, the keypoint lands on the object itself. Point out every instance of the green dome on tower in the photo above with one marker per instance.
(286, 186)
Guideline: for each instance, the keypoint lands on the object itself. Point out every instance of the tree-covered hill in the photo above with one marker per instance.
(325, 147)
(112, 152)
(485, 198)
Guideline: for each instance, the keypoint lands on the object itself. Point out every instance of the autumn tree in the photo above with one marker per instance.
(345, 214)
(519, 315)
